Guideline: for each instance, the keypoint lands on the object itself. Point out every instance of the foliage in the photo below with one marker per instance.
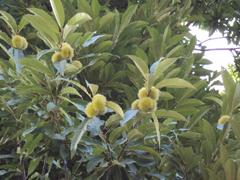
(45, 133)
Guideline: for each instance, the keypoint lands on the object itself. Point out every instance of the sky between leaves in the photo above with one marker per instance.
(219, 58)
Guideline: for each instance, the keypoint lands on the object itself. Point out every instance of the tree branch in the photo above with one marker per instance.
(218, 49)
(210, 39)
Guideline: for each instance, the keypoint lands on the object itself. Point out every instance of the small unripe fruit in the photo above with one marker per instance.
(143, 92)
(224, 119)
(77, 64)
(25, 44)
(135, 104)
(56, 57)
(67, 51)
(19, 42)
(154, 93)
(147, 104)
(90, 111)
(99, 102)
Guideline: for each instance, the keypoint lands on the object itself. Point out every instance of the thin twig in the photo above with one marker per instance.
(210, 39)
(122, 151)
(218, 49)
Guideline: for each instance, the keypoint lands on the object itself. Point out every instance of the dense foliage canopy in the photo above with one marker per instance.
(91, 92)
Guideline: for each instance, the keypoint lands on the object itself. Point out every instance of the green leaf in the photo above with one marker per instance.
(140, 64)
(165, 96)
(236, 126)
(238, 173)
(230, 87)
(114, 135)
(198, 86)
(174, 50)
(230, 170)
(80, 107)
(79, 19)
(78, 85)
(166, 35)
(22, 23)
(32, 143)
(190, 102)
(50, 22)
(84, 6)
(58, 11)
(115, 107)
(191, 135)
(5, 38)
(126, 18)
(209, 132)
(174, 83)
(5, 50)
(134, 134)
(10, 21)
(47, 35)
(33, 165)
(113, 121)
(228, 82)
(157, 127)
(223, 154)
(70, 90)
(236, 97)
(106, 20)
(95, 8)
(36, 65)
(78, 134)
(215, 99)
(163, 65)
(146, 149)
(170, 114)
(93, 88)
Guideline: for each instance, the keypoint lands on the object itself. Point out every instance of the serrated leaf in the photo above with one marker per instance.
(58, 11)
(95, 8)
(33, 165)
(134, 134)
(49, 21)
(78, 85)
(157, 127)
(5, 38)
(106, 19)
(163, 65)
(236, 127)
(191, 102)
(36, 65)
(70, 90)
(78, 134)
(93, 88)
(230, 170)
(50, 37)
(165, 96)
(170, 114)
(115, 107)
(146, 149)
(114, 135)
(79, 19)
(140, 64)
(174, 83)
(10, 21)
(214, 99)
(126, 17)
